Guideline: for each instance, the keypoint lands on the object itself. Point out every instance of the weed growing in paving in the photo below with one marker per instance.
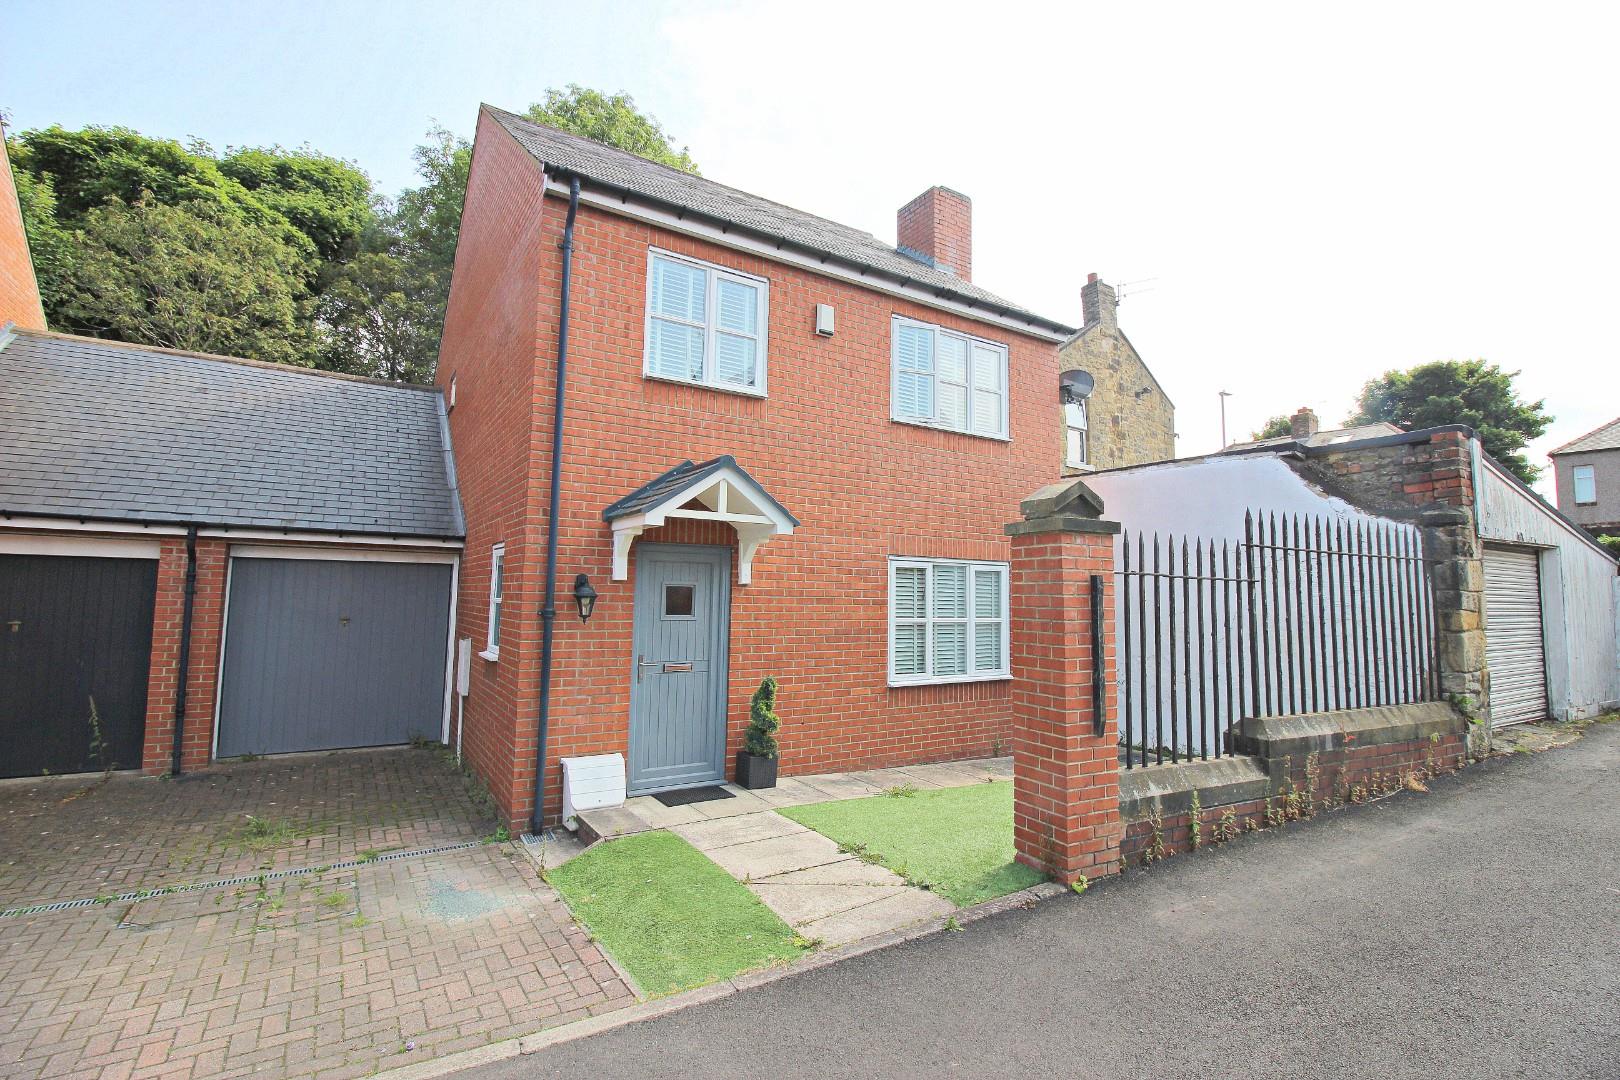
(261, 834)
(901, 791)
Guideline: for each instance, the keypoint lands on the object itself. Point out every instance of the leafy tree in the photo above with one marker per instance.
(1470, 392)
(1275, 428)
(612, 119)
(49, 243)
(376, 320)
(187, 277)
(326, 199)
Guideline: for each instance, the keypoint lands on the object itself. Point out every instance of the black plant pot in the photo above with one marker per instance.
(755, 772)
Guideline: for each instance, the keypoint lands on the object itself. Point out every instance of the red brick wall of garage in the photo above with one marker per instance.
(19, 290)
(208, 617)
(489, 348)
(863, 486)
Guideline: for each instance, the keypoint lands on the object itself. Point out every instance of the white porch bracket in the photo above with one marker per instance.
(715, 490)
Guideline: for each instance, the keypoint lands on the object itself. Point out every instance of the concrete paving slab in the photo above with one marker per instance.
(611, 822)
(836, 786)
(848, 872)
(777, 855)
(716, 833)
(900, 908)
(802, 904)
(915, 776)
(742, 802)
(789, 791)
(659, 816)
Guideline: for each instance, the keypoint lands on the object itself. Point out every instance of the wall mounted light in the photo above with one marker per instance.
(584, 597)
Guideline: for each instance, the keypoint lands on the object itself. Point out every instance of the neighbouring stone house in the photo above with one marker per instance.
(1587, 473)
(1127, 419)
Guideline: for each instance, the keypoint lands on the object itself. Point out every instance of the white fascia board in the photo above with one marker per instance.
(85, 547)
(344, 539)
(337, 554)
(741, 241)
(76, 525)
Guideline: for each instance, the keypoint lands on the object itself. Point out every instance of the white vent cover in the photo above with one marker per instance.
(825, 320)
(591, 783)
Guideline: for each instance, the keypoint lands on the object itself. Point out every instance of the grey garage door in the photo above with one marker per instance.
(326, 654)
(1513, 638)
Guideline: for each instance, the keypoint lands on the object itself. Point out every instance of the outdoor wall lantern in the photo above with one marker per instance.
(584, 597)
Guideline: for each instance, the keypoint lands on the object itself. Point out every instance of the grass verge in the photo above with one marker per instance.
(956, 841)
(674, 919)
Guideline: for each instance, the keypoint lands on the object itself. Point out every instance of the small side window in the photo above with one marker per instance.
(1076, 446)
(1585, 485)
(497, 583)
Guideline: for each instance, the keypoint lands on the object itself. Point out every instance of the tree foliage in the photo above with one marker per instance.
(1470, 392)
(763, 723)
(612, 119)
(266, 252)
(186, 277)
(1275, 428)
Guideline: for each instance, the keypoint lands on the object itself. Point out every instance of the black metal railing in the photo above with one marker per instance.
(1304, 615)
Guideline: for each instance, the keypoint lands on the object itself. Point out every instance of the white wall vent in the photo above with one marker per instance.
(825, 320)
(591, 783)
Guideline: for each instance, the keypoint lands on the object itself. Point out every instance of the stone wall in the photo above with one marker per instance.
(1127, 425)
(1287, 769)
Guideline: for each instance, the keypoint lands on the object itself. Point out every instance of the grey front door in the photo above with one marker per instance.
(322, 654)
(678, 682)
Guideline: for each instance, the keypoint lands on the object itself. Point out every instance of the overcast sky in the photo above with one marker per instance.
(1304, 198)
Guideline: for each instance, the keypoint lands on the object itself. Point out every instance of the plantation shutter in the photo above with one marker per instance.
(736, 341)
(953, 381)
(914, 371)
(679, 303)
(950, 619)
(989, 618)
(989, 380)
(909, 601)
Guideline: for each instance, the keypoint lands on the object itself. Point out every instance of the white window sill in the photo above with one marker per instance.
(949, 680)
(951, 430)
(490, 654)
(1068, 467)
(724, 388)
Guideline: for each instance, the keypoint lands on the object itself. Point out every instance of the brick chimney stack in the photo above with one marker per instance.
(937, 226)
(1099, 304)
(1304, 423)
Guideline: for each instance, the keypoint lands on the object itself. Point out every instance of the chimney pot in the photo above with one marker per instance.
(1303, 424)
(937, 227)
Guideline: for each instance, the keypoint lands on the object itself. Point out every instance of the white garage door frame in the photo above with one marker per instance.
(323, 554)
(1517, 568)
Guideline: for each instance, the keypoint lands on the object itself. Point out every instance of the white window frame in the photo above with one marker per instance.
(1591, 478)
(1002, 430)
(1084, 428)
(710, 324)
(1004, 671)
(497, 602)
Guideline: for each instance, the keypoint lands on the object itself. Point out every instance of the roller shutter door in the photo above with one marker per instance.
(1513, 635)
(322, 654)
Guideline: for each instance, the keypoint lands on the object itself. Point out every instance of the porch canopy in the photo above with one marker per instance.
(725, 492)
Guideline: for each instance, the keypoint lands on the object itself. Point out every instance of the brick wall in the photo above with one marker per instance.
(19, 291)
(1402, 475)
(863, 487)
(208, 617)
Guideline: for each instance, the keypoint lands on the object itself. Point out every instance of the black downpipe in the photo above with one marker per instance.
(548, 612)
(185, 650)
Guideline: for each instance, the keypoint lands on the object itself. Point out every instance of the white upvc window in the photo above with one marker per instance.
(1076, 439)
(947, 621)
(948, 380)
(497, 582)
(706, 324)
(1585, 485)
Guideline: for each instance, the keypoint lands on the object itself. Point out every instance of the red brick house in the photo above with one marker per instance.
(788, 449)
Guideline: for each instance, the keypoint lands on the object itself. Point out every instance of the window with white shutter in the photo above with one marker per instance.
(705, 324)
(948, 380)
(947, 621)
(1076, 451)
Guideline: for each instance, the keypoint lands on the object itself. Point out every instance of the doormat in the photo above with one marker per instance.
(687, 796)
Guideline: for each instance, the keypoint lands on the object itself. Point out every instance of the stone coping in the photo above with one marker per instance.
(1314, 733)
(1218, 781)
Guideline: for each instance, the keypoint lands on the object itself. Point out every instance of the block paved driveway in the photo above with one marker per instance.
(328, 974)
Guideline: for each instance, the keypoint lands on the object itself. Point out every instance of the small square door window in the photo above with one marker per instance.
(678, 601)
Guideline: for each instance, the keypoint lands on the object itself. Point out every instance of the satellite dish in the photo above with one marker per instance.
(1076, 385)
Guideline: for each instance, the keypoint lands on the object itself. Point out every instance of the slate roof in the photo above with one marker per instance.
(638, 176)
(1606, 437)
(111, 431)
(683, 477)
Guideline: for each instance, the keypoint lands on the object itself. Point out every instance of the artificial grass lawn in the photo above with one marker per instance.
(957, 841)
(670, 916)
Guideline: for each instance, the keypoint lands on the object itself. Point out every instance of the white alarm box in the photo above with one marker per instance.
(591, 783)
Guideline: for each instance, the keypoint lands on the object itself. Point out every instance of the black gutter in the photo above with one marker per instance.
(185, 650)
(548, 611)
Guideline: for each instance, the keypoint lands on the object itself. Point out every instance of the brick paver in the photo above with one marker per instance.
(329, 974)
